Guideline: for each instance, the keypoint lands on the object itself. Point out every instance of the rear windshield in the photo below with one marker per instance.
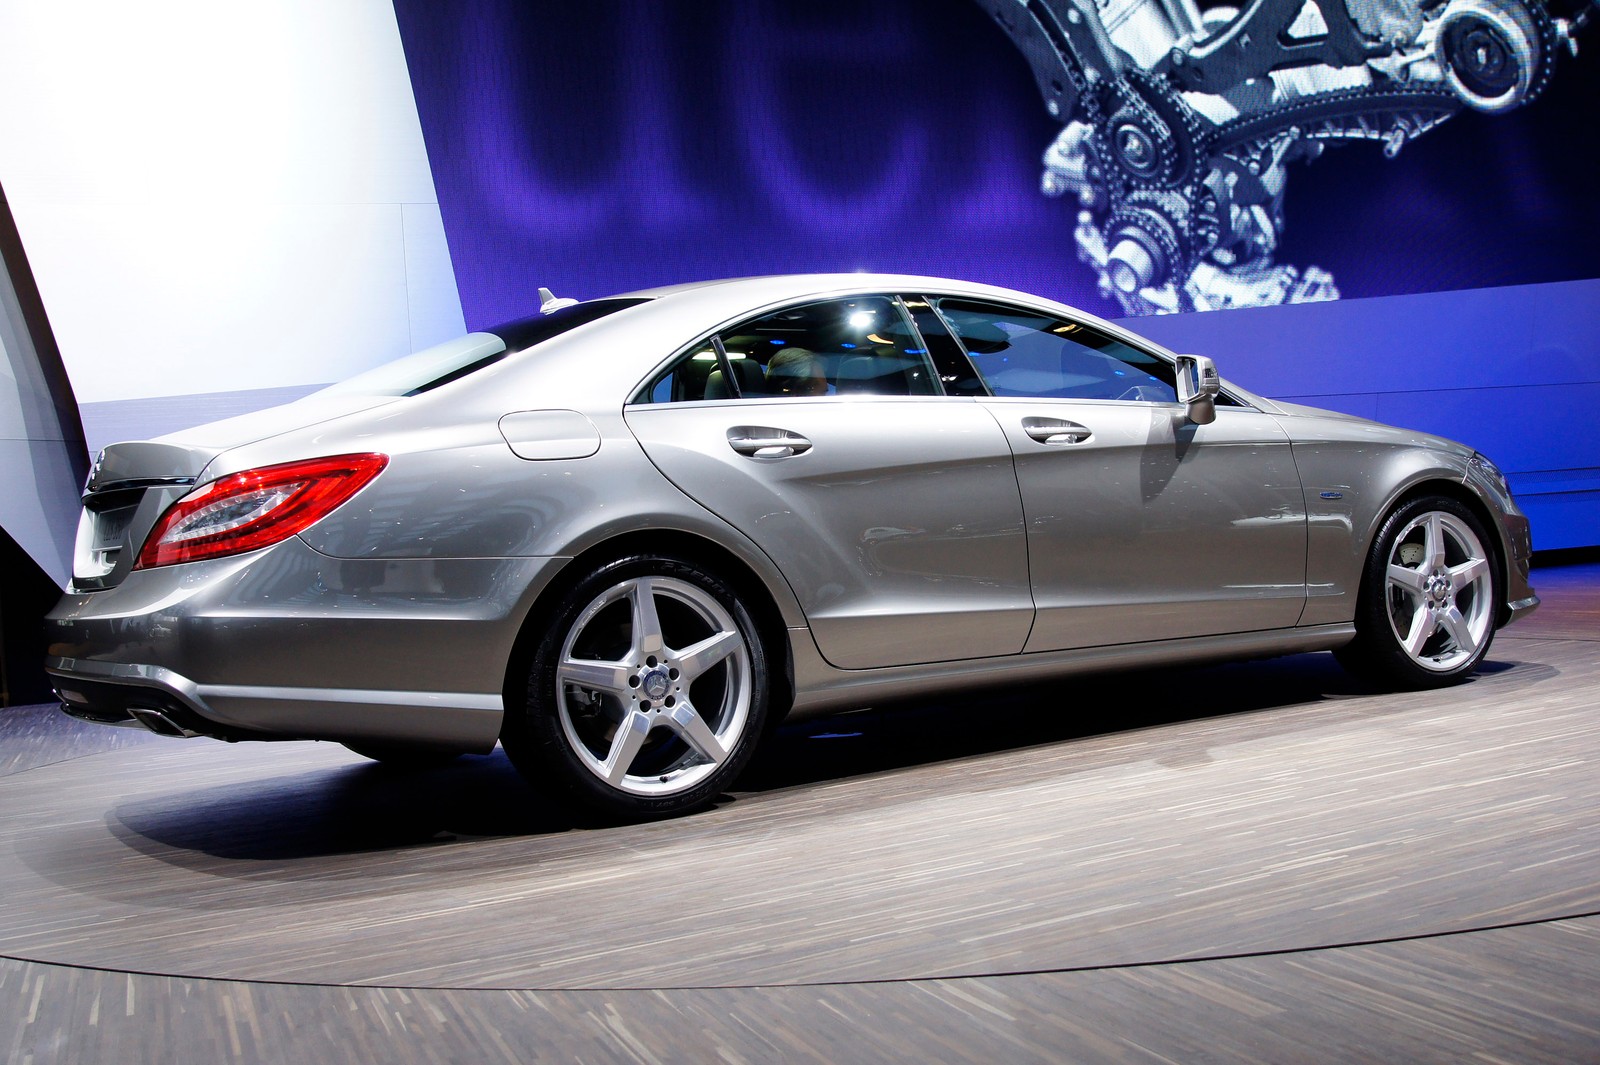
(454, 359)
(524, 333)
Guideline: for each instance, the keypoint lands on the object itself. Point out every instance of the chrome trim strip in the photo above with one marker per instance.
(1520, 609)
(195, 695)
(348, 696)
(136, 482)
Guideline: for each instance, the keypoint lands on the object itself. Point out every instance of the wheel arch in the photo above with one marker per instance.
(1380, 650)
(689, 547)
(1454, 489)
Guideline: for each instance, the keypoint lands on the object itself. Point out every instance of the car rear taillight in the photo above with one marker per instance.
(256, 508)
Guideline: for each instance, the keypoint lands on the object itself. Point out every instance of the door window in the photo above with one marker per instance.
(861, 345)
(1021, 352)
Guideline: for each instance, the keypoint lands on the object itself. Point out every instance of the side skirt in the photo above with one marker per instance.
(822, 689)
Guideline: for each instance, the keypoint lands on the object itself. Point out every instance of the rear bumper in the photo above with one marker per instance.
(288, 643)
(170, 704)
(133, 696)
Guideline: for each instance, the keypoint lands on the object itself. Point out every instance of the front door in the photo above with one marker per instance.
(892, 510)
(1141, 525)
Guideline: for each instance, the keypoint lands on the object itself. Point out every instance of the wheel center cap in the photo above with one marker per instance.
(656, 684)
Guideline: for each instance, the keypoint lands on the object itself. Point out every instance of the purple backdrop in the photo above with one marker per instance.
(612, 145)
(619, 144)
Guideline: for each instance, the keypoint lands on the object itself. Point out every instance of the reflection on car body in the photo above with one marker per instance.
(618, 540)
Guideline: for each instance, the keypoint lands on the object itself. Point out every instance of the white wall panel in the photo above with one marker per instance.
(38, 485)
(163, 299)
(219, 197)
(430, 281)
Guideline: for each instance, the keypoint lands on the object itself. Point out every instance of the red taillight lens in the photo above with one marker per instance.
(256, 508)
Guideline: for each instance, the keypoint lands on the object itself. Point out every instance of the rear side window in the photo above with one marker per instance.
(860, 345)
(1021, 352)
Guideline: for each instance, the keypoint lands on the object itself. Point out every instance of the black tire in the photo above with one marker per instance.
(1429, 598)
(401, 756)
(642, 713)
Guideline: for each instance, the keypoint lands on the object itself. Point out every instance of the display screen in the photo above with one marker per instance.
(609, 146)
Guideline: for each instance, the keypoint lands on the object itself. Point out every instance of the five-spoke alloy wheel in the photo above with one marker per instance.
(1426, 613)
(647, 693)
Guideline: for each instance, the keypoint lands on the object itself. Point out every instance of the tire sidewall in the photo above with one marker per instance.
(1377, 651)
(537, 743)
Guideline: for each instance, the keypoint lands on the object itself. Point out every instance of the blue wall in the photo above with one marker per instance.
(1513, 371)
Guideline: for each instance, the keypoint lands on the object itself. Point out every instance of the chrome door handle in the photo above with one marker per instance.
(1056, 431)
(764, 442)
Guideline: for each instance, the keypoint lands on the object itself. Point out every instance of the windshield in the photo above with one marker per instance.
(455, 359)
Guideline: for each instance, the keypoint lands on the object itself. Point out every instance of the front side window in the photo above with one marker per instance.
(861, 345)
(1021, 352)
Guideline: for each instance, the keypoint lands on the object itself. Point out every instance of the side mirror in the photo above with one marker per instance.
(1198, 385)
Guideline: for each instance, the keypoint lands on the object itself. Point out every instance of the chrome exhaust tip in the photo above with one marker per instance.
(158, 722)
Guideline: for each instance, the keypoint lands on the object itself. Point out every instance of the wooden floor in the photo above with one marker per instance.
(1258, 862)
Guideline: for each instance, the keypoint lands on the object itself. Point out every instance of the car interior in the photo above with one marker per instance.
(861, 346)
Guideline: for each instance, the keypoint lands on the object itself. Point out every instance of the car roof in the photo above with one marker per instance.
(588, 366)
(721, 299)
(776, 287)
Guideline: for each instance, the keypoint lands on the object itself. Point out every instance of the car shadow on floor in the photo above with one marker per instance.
(991, 720)
(364, 807)
(346, 809)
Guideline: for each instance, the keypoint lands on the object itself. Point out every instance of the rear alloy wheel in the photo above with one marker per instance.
(647, 694)
(1426, 613)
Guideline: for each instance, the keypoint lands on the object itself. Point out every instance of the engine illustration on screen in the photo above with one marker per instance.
(1180, 126)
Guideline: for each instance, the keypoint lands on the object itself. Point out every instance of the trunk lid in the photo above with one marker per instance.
(134, 482)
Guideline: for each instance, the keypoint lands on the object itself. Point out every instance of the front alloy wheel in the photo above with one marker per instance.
(1426, 613)
(647, 694)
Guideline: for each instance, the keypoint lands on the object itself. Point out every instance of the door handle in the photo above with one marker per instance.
(1056, 431)
(764, 442)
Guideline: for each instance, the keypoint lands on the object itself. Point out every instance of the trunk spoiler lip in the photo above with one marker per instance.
(126, 484)
(142, 463)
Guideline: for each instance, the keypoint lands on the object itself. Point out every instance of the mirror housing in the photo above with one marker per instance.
(1198, 385)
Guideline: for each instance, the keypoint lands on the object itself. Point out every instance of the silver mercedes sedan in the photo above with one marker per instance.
(626, 537)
